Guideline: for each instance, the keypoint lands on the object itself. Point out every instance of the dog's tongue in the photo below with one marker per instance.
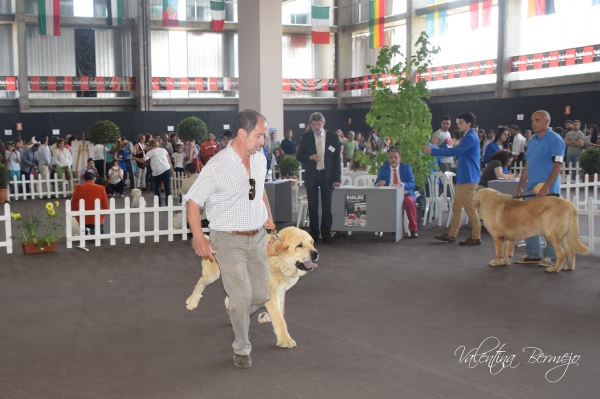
(310, 265)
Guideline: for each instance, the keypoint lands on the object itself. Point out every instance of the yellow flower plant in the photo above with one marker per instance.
(34, 230)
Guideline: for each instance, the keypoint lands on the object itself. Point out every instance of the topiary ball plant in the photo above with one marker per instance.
(289, 166)
(4, 177)
(590, 161)
(192, 128)
(104, 132)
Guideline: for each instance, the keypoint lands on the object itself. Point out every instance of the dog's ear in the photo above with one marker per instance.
(280, 246)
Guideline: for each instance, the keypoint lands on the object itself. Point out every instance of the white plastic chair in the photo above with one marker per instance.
(346, 180)
(302, 211)
(364, 181)
(433, 203)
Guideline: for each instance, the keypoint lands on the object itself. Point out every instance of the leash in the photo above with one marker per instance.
(274, 237)
(533, 195)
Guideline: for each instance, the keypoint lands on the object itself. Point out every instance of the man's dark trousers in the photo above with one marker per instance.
(312, 192)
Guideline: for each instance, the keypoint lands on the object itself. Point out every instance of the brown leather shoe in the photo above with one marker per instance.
(469, 242)
(445, 237)
(242, 361)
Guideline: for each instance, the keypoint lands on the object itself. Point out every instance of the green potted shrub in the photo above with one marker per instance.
(104, 132)
(192, 129)
(590, 162)
(289, 167)
(3, 183)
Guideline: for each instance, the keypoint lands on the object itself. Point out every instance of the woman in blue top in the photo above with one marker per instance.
(497, 145)
(120, 155)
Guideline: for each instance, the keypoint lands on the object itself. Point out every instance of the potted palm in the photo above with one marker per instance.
(289, 167)
(590, 163)
(3, 183)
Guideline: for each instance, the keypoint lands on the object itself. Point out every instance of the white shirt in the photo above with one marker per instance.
(518, 144)
(158, 161)
(320, 145)
(442, 136)
(62, 157)
(44, 157)
(223, 184)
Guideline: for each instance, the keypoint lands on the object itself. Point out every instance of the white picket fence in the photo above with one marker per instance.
(590, 187)
(7, 229)
(122, 218)
(591, 209)
(39, 188)
(565, 172)
(176, 183)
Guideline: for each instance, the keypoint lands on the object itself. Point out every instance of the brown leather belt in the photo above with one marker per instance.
(245, 233)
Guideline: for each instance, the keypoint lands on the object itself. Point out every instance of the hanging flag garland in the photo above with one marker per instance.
(217, 12)
(320, 25)
(376, 23)
(169, 15)
(49, 17)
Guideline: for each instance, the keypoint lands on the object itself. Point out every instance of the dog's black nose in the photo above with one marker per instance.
(314, 255)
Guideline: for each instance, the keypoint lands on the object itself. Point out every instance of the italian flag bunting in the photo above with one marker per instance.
(320, 25)
(49, 17)
(169, 16)
(217, 12)
(114, 12)
(376, 22)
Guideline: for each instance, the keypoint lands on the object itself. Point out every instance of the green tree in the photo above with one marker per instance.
(404, 115)
(192, 129)
(104, 132)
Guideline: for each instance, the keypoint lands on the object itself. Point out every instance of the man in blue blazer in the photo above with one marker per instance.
(394, 173)
(320, 153)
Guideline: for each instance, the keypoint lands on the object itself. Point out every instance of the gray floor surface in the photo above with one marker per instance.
(377, 319)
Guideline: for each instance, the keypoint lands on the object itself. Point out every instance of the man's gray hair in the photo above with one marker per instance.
(247, 120)
(317, 117)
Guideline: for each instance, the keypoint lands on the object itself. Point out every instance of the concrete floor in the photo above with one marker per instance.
(377, 319)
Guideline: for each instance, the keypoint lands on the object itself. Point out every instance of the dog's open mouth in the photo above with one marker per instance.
(308, 266)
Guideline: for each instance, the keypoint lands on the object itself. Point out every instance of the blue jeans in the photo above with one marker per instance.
(164, 178)
(571, 161)
(534, 244)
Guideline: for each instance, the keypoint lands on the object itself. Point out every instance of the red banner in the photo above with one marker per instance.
(364, 82)
(232, 84)
(80, 83)
(8, 83)
(457, 71)
(558, 58)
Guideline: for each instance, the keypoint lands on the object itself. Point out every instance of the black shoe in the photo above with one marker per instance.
(242, 361)
(413, 234)
(445, 237)
(327, 241)
(470, 242)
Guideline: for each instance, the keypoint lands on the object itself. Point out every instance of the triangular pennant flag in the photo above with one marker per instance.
(376, 23)
(320, 25)
(49, 17)
(114, 12)
(217, 12)
(169, 16)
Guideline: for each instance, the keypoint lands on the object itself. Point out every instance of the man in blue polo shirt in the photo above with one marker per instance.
(545, 154)
(468, 173)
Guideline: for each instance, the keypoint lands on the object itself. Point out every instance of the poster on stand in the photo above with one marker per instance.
(355, 213)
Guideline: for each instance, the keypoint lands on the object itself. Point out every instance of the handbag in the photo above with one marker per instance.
(68, 174)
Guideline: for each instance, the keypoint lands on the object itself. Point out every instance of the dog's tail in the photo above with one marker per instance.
(573, 234)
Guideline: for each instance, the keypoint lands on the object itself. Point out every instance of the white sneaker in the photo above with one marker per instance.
(547, 262)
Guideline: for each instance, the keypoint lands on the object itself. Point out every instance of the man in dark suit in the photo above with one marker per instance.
(394, 173)
(320, 153)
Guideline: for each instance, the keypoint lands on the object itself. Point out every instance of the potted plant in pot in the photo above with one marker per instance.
(590, 163)
(104, 132)
(194, 130)
(289, 167)
(3, 183)
(38, 236)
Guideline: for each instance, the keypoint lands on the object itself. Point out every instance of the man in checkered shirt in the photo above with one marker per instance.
(231, 186)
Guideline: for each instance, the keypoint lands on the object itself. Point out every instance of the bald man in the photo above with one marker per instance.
(545, 155)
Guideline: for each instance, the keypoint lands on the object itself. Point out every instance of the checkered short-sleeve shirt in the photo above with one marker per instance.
(224, 186)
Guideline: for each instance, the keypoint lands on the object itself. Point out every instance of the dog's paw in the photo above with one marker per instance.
(192, 302)
(569, 267)
(264, 318)
(496, 263)
(286, 343)
(505, 261)
(553, 269)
